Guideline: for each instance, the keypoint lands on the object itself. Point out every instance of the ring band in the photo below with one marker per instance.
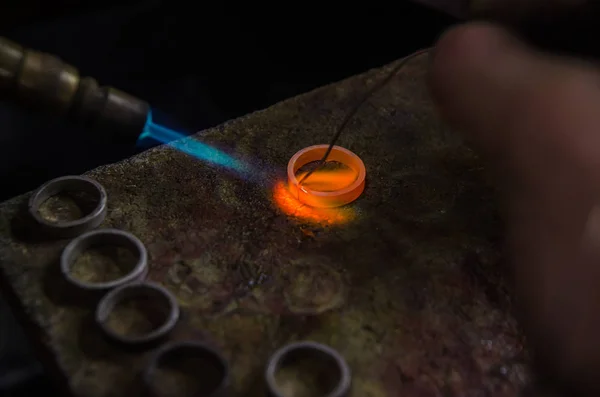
(161, 300)
(65, 184)
(219, 381)
(312, 350)
(100, 237)
(330, 199)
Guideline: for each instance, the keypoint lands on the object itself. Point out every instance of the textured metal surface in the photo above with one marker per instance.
(154, 297)
(320, 358)
(105, 237)
(213, 370)
(73, 184)
(411, 291)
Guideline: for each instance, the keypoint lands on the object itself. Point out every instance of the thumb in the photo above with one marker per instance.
(536, 119)
(495, 88)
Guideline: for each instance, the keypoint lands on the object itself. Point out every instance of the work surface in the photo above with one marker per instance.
(407, 282)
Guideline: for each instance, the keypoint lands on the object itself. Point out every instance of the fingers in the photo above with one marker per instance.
(502, 93)
(537, 118)
(464, 59)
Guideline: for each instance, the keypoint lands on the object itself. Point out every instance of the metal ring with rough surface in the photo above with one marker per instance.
(313, 351)
(160, 300)
(66, 184)
(217, 382)
(100, 237)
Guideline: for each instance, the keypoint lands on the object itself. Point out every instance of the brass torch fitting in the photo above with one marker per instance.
(45, 82)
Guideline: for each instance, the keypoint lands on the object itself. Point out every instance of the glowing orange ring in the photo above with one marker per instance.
(319, 199)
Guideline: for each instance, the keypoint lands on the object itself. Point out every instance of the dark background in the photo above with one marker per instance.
(198, 64)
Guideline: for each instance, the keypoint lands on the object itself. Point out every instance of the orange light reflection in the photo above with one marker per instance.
(291, 206)
(328, 181)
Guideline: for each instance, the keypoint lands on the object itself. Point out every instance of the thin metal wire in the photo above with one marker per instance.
(356, 107)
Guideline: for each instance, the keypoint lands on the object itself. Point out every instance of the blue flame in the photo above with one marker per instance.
(192, 147)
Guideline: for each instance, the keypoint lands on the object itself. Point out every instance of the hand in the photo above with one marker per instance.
(536, 119)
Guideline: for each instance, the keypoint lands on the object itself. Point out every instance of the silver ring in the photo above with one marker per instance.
(320, 355)
(217, 376)
(69, 184)
(112, 237)
(163, 305)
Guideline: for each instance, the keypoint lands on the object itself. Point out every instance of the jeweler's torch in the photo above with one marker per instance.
(46, 83)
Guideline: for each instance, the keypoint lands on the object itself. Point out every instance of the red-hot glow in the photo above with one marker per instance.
(328, 181)
(291, 206)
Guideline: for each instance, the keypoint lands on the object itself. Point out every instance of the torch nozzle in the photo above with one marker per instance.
(46, 83)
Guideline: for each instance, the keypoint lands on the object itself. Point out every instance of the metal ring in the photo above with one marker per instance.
(66, 184)
(104, 237)
(191, 349)
(323, 199)
(311, 350)
(161, 300)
